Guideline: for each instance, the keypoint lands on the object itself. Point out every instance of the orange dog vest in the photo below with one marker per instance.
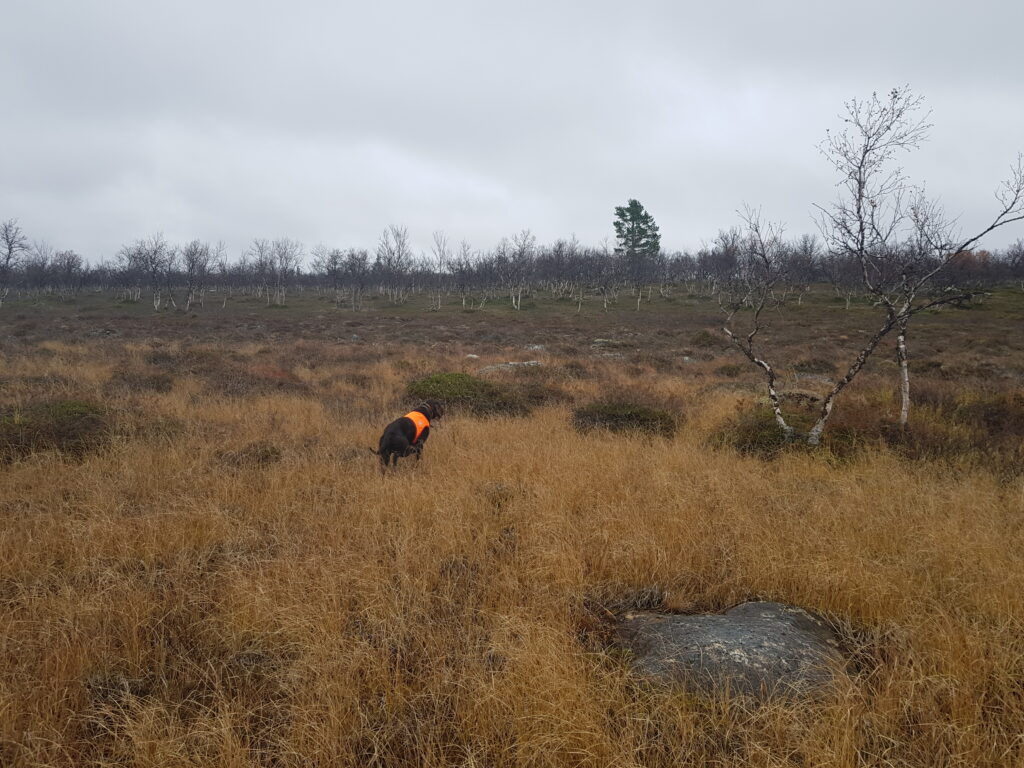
(420, 421)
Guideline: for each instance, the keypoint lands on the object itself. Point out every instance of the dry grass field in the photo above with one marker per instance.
(213, 572)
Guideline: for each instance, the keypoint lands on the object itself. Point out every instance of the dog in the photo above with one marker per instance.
(406, 436)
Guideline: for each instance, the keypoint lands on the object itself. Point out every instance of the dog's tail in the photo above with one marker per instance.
(375, 453)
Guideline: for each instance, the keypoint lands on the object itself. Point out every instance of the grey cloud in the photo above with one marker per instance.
(328, 121)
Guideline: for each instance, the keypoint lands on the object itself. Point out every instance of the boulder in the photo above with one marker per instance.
(756, 648)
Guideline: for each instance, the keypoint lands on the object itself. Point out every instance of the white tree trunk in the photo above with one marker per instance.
(901, 356)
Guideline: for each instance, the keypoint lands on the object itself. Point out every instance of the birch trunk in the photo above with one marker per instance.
(901, 356)
(814, 436)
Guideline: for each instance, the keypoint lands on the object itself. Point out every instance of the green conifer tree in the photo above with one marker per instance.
(638, 243)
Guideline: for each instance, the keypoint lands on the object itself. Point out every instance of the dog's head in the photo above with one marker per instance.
(432, 409)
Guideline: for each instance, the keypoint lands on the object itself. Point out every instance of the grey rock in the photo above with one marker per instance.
(509, 366)
(755, 648)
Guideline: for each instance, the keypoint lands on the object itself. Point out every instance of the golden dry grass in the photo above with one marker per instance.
(160, 606)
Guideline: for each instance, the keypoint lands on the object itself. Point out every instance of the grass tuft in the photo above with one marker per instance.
(259, 453)
(619, 416)
(70, 427)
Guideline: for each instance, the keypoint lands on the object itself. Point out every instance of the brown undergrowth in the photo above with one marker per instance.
(228, 580)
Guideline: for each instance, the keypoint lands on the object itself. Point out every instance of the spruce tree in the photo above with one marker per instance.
(639, 242)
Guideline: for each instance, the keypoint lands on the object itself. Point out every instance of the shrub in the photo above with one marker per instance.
(620, 416)
(1001, 414)
(815, 365)
(72, 427)
(477, 396)
(705, 339)
(535, 385)
(730, 370)
(752, 432)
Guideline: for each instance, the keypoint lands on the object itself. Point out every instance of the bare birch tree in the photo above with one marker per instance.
(357, 271)
(150, 258)
(751, 293)
(286, 256)
(195, 264)
(329, 262)
(394, 258)
(68, 272)
(440, 258)
(15, 245)
(261, 261)
(899, 240)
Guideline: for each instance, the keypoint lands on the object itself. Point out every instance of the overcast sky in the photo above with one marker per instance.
(327, 121)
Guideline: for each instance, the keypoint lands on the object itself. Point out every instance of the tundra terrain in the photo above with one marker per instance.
(202, 565)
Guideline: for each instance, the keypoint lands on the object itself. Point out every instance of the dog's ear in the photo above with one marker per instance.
(437, 408)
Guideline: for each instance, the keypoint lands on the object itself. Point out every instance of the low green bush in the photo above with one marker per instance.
(479, 397)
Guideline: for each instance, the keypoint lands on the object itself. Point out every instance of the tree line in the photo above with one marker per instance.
(187, 275)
